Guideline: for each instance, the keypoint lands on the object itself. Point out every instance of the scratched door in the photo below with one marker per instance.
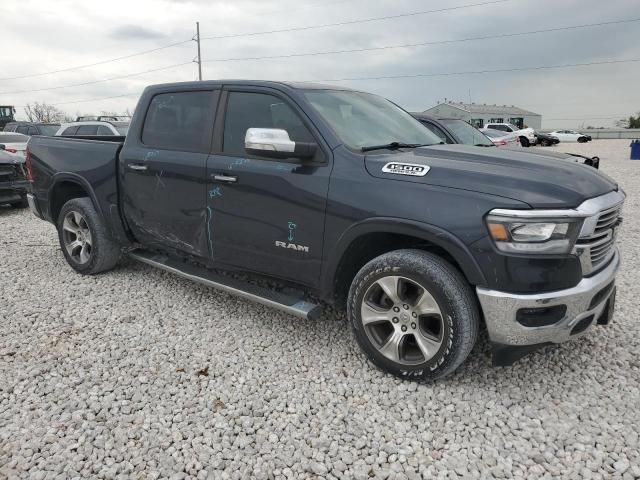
(264, 215)
(164, 173)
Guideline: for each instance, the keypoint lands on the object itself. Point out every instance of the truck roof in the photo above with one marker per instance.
(255, 83)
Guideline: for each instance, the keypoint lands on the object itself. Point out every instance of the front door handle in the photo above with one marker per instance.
(218, 177)
(137, 166)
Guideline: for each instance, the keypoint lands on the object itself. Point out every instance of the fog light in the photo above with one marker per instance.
(540, 317)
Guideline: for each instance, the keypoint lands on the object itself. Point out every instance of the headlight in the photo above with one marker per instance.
(534, 235)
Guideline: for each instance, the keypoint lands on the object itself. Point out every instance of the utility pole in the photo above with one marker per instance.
(198, 59)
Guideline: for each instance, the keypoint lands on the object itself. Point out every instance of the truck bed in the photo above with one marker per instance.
(90, 161)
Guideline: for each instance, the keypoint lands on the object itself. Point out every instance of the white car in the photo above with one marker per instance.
(571, 136)
(527, 136)
(105, 128)
(502, 139)
(14, 143)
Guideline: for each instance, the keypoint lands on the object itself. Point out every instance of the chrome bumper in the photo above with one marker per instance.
(500, 309)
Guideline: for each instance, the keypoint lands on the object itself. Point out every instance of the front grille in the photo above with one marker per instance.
(596, 249)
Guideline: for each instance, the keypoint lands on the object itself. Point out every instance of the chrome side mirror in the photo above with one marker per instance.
(275, 143)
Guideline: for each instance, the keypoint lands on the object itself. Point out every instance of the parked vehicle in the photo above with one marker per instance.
(525, 135)
(104, 118)
(571, 136)
(546, 140)
(6, 114)
(13, 180)
(453, 130)
(346, 196)
(30, 129)
(13, 143)
(97, 128)
(503, 139)
(459, 131)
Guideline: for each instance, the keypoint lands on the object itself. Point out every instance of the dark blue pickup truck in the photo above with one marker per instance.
(341, 195)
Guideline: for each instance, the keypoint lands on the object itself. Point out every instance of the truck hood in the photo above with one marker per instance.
(537, 180)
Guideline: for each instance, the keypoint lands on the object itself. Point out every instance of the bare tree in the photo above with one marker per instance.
(43, 113)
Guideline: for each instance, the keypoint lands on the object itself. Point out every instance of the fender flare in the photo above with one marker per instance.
(424, 231)
(60, 177)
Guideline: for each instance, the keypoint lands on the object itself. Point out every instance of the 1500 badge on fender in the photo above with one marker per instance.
(411, 169)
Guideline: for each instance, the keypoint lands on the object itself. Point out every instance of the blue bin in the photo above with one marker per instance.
(635, 150)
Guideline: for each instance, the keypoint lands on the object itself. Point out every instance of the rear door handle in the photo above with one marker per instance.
(218, 177)
(137, 166)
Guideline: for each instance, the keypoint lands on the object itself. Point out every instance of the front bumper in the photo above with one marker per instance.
(585, 304)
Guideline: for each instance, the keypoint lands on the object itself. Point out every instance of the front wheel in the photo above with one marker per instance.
(413, 314)
(524, 141)
(85, 242)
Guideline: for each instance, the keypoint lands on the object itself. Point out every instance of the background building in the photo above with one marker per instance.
(479, 115)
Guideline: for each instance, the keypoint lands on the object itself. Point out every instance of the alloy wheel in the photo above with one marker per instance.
(402, 320)
(76, 236)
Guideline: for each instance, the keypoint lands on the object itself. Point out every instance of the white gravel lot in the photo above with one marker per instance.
(139, 374)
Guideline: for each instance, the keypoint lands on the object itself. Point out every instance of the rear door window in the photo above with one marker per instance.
(22, 129)
(32, 131)
(180, 121)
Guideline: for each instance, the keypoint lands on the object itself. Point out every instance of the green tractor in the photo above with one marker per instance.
(6, 115)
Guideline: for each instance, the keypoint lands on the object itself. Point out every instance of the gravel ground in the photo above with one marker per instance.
(139, 374)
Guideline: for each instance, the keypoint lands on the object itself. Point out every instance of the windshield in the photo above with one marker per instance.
(467, 134)
(362, 119)
(49, 130)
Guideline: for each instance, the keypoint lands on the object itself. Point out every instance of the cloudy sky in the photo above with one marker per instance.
(45, 36)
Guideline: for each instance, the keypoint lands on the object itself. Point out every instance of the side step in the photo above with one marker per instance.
(286, 303)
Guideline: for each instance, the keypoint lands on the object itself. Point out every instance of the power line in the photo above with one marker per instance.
(417, 75)
(98, 81)
(352, 22)
(473, 72)
(102, 62)
(422, 44)
(90, 99)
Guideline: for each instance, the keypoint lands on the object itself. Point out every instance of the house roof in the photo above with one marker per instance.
(486, 109)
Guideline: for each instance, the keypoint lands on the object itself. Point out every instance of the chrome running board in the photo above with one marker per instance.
(270, 298)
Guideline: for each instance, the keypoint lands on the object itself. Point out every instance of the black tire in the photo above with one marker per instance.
(582, 140)
(545, 143)
(459, 313)
(103, 254)
(524, 141)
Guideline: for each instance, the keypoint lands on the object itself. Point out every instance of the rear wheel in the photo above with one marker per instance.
(413, 314)
(582, 139)
(84, 240)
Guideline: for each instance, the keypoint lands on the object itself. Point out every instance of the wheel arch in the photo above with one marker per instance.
(370, 238)
(65, 187)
